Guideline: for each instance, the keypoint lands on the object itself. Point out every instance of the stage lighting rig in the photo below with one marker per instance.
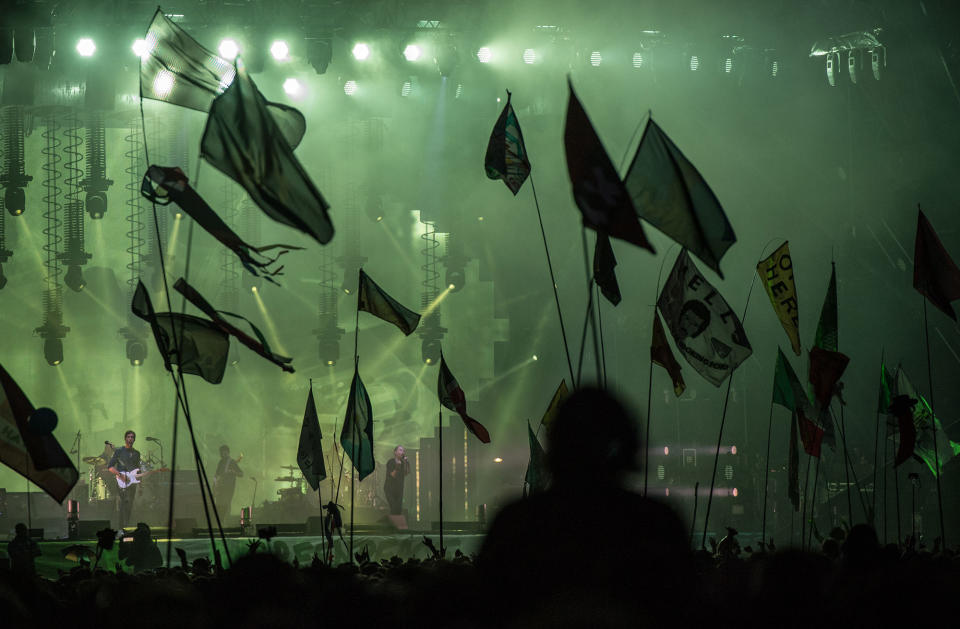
(96, 183)
(855, 45)
(136, 346)
(456, 262)
(319, 54)
(13, 178)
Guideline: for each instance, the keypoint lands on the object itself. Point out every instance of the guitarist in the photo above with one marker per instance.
(125, 459)
(225, 480)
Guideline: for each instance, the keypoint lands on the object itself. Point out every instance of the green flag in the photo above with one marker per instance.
(886, 383)
(784, 383)
(373, 299)
(356, 437)
(923, 421)
(537, 476)
(506, 154)
(310, 449)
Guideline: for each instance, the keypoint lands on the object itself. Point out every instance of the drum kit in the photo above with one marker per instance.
(295, 490)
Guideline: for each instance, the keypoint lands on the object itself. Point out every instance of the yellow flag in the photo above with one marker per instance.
(555, 403)
(776, 273)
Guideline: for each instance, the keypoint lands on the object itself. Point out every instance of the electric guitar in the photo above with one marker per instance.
(125, 479)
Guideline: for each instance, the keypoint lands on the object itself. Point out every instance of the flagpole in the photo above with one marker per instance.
(440, 474)
(896, 487)
(553, 282)
(846, 466)
(592, 315)
(646, 439)
(813, 502)
(933, 425)
(603, 349)
(353, 428)
(766, 476)
(806, 501)
(583, 337)
(876, 446)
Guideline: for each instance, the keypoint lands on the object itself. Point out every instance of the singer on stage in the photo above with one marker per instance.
(125, 459)
(397, 469)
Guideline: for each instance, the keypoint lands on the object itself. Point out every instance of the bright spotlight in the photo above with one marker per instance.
(163, 83)
(595, 58)
(228, 49)
(253, 289)
(529, 56)
(637, 60)
(279, 50)
(412, 52)
(361, 52)
(498, 460)
(140, 48)
(350, 88)
(694, 63)
(484, 55)
(535, 357)
(292, 87)
(86, 47)
(406, 89)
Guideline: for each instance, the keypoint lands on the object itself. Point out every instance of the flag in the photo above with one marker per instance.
(793, 465)
(174, 186)
(558, 397)
(887, 382)
(537, 476)
(789, 393)
(176, 69)
(604, 265)
(776, 273)
(786, 386)
(506, 154)
(826, 337)
(310, 449)
(242, 140)
(203, 346)
(935, 275)
(37, 457)
(258, 345)
(356, 436)
(705, 329)
(670, 194)
(661, 355)
(923, 424)
(373, 299)
(452, 396)
(826, 368)
(597, 189)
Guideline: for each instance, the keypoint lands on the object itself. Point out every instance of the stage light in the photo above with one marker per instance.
(595, 58)
(728, 472)
(228, 49)
(292, 87)
(140, 48)
(733, 449)
(407, 89)
(878, 61)
(163, 83)
(136, 351)
(735, 492)
(319, 54)
(666, 450)
(529, 56)
(96, 203)
(279, 50)
(16, 200)
(459, 91)
(833, 71)
(74, 278)
(535, 357)
(430, 350)
(728, 65)
(361, 52)
(852, 65)
(350, 88)
(86, 47)
(412, 52)
(498, 460)
(253, 289)
(53, 350)
(484, 55)
(774, 68)
(661, 472)
(638, 60)
(694, 63)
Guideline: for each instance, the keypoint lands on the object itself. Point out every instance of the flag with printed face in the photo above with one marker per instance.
(705, 329)
(176, 69)
(373, 299)
(602, 198)
(36, 456)
(935, 274)
(670, 194)
(661, 355)
(453, 397)
(310, 448)
(558, 397)
(506, 154)
(776, 273)
(356, 436)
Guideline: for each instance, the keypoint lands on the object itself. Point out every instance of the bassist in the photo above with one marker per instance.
(125, 459)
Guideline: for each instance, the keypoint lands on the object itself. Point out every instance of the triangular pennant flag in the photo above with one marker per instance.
(776, 273)
(36, 456)
(935, 275)
(537, 476)
(506, 154)
(604, 265)
(827, 335)
(373, 299)
(597, 189)
(176, 69)
(310, 449)
(258, 345)
(453, 397)
(789, 393)
(670, 194)
(558, 397)
(704, 327)
(918, 409)
(661, 355)
(826, 368)
(242, 141)
(174, 186)
(356, 436)
(203, 346)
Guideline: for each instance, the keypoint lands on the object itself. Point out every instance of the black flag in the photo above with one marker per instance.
(310, 451)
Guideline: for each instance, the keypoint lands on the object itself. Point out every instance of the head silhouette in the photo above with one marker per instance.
(593, 438)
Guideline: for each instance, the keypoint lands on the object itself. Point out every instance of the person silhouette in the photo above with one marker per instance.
(588, 541)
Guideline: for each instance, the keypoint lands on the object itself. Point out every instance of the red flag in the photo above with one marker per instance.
(811, 434)
(935, 275)
(453, 397)
(902, 408)
(826, 367)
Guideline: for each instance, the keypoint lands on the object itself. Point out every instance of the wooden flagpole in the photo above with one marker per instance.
(440, 474)
(806, 501)
(646, 439)
(933, 425)
(813, 501)
(766, 477)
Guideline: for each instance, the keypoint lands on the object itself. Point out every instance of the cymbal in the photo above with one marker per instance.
(286, 479)
(94, 460)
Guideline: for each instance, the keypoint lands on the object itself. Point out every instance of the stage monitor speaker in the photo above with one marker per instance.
(183, 527)
(88, 529)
